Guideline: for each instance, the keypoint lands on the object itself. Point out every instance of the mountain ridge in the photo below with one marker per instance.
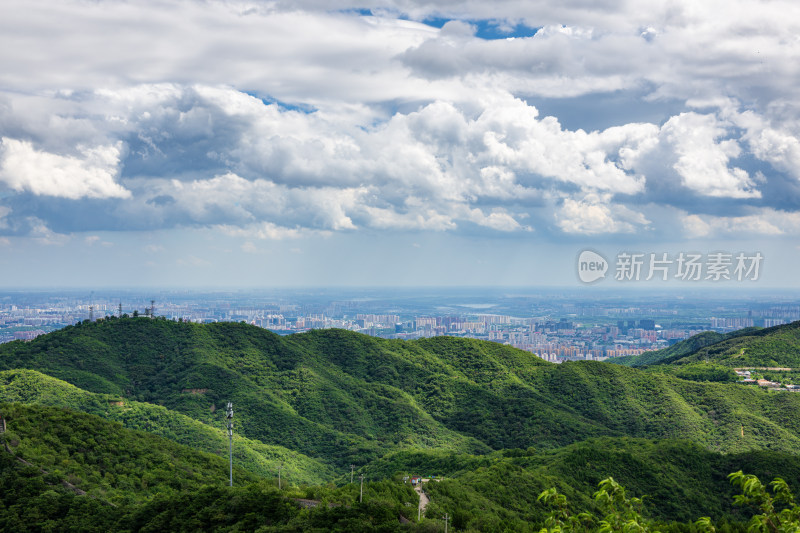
(340, 397)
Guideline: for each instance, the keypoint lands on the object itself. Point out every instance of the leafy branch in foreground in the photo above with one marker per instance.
(779, 510)
(620, 513)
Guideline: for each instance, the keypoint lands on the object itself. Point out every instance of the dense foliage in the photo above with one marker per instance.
(679, 480)
(340, 397)
(31, 387)
(104, 459)
(500, 425)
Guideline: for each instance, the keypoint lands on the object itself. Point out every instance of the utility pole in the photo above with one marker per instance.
(351, 472)
(361, 495)
(446, 517)
(152, 308)
(279, 475)
(120, 309)
(230, 439)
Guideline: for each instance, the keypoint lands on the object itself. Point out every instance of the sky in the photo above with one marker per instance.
(168, 143)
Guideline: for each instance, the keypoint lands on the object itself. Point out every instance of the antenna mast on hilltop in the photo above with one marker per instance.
(230, 439)
(120, 309)
(91, 313)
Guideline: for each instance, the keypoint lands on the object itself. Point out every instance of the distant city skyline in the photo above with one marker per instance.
(555, 325)
(392, 143)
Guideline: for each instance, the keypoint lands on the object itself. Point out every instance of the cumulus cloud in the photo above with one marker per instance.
(594, 215)
(214, 156)
(778, 146)
(762, 222)
(284, 120)
(23, 168)
(703, 159)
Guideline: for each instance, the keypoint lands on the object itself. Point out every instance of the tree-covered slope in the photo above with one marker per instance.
(135, 489)
(778, 346)
(284, 392)
(682, 348)
(103, 459)
(32, 387)
(434, 406)
(679, 481)
(341, 397)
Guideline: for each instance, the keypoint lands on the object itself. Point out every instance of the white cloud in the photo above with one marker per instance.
(702, 158)
(763, 222)
(306, 52)
(418, 219)
(594, 215)
(497, 220)
(269, 231)
(209, 156)
(777, 146)
(43, 235)
(23, 168)
(399, 125)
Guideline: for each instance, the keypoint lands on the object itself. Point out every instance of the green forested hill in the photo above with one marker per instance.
(500, 423)
(679, 480)
(62, 470)
(341, 397)
(682, 348)
(102, 458)
(134, 481)
(778, 346)
(32, 387)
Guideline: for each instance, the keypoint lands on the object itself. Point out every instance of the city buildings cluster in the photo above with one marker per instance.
(590, 331)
